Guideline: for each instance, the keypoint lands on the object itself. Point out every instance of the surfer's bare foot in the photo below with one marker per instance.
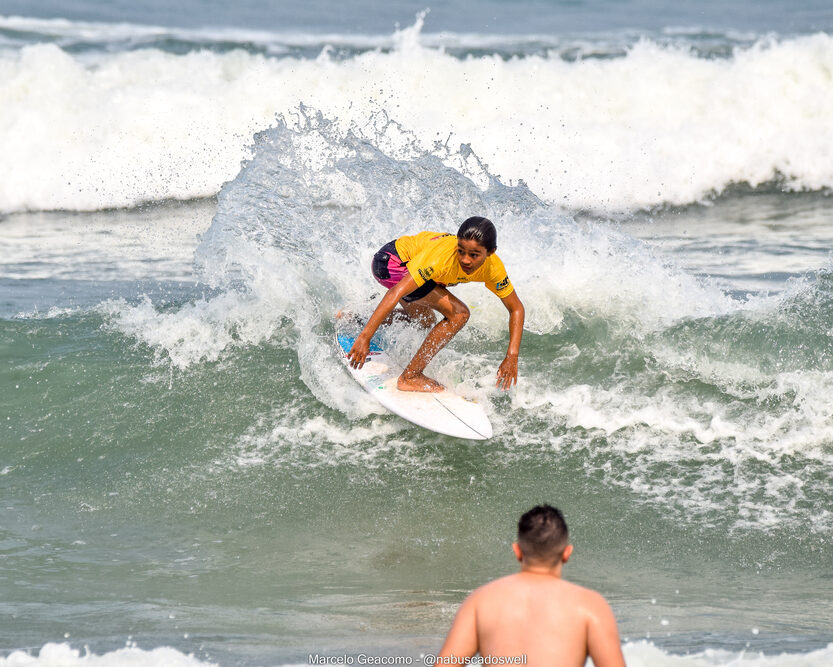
(418, 382)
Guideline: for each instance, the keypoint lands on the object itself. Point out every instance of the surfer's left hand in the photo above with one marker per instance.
(507, 374)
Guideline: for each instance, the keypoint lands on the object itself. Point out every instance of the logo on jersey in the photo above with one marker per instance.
(426, 273)
(503, 284)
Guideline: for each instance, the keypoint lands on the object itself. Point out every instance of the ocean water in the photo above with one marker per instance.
(189, 192)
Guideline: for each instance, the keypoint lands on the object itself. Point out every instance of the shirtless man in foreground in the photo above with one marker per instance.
(535, 613)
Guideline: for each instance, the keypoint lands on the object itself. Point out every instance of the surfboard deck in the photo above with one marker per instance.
(444, 412)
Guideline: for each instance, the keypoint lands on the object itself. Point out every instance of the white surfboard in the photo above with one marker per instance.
(443, 412)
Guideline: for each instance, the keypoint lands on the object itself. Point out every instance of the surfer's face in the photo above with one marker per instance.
(471, 255)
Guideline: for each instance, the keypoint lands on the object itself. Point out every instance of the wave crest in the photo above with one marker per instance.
(657, 125)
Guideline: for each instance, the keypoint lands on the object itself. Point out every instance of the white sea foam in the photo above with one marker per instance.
(657, 125)
(637, 654)
(197, 332)
(63, 655)
(646, 654)
(290, 438)
(741, 449)
(687, 421)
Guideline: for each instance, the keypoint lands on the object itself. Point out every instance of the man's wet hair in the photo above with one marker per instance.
(543, 534)
(481, 230)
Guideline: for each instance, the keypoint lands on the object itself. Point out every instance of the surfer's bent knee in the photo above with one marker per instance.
(460, 315)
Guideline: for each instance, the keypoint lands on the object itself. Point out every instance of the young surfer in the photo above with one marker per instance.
(417, 270)
(534, 615)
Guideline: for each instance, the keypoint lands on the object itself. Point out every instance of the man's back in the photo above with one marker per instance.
(550, 621)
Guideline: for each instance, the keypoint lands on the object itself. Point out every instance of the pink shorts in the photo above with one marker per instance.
(389, 269)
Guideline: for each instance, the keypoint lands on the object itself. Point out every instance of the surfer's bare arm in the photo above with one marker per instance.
(507, 373)
(361, 346)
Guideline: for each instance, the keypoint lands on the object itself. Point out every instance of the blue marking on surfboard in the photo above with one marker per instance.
(346, 342)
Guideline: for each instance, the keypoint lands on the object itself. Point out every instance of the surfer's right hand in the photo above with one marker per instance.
(359, 352)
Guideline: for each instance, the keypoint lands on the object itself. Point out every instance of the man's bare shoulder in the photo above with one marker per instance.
(587, 597)
(494, 587)
(520, 581)
(582, 590)
(592, 599)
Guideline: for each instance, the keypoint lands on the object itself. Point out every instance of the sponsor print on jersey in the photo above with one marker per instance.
(426, 273)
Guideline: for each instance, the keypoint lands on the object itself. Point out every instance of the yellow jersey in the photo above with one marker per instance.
(433, 256)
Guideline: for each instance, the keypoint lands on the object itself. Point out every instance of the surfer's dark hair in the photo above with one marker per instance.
(481, 230)
(543, 534)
